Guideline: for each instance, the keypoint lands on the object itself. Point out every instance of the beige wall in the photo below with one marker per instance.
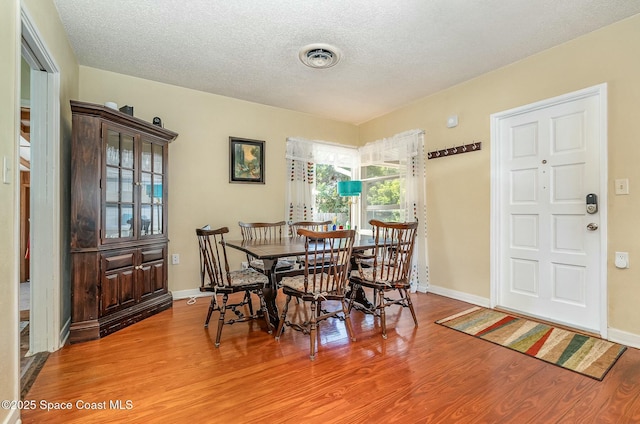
(9, 69)
(458, 188)
(199, 189)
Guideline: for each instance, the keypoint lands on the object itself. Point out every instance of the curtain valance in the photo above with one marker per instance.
(322, 152)
(399, 147)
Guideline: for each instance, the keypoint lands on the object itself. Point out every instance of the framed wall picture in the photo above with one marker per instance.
(246, 160)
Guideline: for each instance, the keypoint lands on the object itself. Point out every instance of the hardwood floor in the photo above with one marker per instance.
(166, 369)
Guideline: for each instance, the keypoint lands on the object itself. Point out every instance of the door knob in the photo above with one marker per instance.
(592, 226)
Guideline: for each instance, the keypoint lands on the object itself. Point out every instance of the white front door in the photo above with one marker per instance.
(549, 256)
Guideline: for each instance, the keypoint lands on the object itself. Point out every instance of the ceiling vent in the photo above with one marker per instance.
(319, 56)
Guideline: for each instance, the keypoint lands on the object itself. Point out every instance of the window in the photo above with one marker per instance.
(381, 193)
(330, 206)
(393, 185)
(313, 171)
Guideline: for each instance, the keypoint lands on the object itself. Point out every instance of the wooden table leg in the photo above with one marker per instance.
(271, 293)
(360, 296)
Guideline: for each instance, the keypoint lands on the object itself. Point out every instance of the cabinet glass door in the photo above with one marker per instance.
(152, 189)
(119, 185)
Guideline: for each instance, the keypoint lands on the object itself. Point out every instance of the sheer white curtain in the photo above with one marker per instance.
(302, 157)
(407, 148)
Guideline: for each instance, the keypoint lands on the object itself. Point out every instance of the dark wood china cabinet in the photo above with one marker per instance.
(119, 171)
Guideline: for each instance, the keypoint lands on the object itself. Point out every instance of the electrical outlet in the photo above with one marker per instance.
(622, 186)
(175, 259)
(622, 260)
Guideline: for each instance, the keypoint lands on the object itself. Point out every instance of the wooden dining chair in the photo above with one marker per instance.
(216, 277)
(386, 269)
(309, 225)
(316, 285)
(265, 231)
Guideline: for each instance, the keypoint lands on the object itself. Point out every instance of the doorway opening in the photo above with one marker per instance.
(39, 206)
(30, 364)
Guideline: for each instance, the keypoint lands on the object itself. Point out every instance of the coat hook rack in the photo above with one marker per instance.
(472, 147)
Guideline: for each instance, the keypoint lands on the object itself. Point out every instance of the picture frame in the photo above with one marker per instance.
(246, 160)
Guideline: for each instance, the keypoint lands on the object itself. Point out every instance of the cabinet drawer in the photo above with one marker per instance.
(120, 260)
(152, 254)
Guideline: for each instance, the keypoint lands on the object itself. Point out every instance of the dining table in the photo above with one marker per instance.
(269, 251)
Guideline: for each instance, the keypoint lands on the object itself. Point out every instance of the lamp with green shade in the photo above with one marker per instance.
(349, 189)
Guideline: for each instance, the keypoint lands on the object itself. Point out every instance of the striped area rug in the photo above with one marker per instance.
(586, 355)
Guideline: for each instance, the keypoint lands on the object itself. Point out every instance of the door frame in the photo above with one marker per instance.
(45, 329)
(599, 91)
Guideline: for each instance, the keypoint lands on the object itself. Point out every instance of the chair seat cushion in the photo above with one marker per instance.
(280, 265)
(297, 283)
(245, 277)
(316, 260)
(367, 277)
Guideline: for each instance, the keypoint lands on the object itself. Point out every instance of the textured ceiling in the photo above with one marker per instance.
(394, 51)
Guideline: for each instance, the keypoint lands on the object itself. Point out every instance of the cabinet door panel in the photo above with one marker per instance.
(152, 190)
(117, 291)
(152, 279)
(119, 181)
(159, 277)
(127, 288)
(148, 255)
(118, 260)
(109, 301)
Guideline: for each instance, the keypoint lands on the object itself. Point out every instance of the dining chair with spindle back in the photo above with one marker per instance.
(387, 269)
(216, 277)
(317, 284)
(265, 231)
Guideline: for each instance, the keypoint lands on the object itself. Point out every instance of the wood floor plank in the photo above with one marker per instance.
(619, 404)
(167, 370)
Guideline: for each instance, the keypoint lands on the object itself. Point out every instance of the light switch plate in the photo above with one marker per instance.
(6, 170)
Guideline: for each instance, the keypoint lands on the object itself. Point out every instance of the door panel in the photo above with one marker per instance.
(547, 262)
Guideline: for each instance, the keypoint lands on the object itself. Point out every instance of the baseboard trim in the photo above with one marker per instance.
(13, 417)
(625, 338)
(465, 297)
(189, 294)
